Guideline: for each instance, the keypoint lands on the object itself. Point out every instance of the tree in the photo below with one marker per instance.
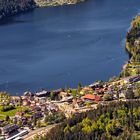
(5, 97)
(121, 114)
(107, 97)
(73, 128)
(94, 127)
(137, 94)
(38, 123)
(88, 104)
(79, 87)
(86, 121)
(137, 124)
(19, 123)
(106, 122)
(52, 96)
(129, 94)
(46, 117)
(117, 94)
(87, 129)
(34, 120)
(110, 128)
(137, 91)
(15, 120)
(74, 93)
(67, 129)
(7, 118)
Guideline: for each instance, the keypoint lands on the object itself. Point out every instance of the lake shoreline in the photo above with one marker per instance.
(9, 10)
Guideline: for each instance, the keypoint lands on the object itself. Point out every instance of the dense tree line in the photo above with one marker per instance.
(11, 7)
(7, 108)
(133, 35)
(133, 49)
(118, 120)
(131, 46)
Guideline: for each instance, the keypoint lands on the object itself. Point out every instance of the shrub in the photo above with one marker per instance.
(7, 108)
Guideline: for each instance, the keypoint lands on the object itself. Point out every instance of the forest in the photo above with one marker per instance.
(133, 48)
(115, 121)
(12, 7)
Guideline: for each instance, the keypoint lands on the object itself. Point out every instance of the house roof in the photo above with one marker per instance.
(57, 91)
(28, 93)
(42, 93)
(87, 89)
(92, 97)
(97, 98)
(16, 97)
(24, 98)
(19, 113)
(9, 128)
(89, 96)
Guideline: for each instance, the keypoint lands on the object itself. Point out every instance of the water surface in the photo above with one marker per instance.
(62, 46)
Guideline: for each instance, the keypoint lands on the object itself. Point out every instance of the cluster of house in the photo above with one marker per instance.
(12, 131)
(41, 101)
(132, 79)
(6, 130)
(62, 100)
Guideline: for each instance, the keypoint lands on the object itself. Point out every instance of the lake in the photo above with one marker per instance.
(62, 46)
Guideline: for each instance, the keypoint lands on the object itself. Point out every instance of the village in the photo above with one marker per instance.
(22, 115)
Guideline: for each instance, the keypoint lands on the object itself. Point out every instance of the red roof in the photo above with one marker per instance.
(97, 98)
(92, 97)
(89, 96)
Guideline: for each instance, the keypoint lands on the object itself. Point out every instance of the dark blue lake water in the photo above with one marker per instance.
(62, 46)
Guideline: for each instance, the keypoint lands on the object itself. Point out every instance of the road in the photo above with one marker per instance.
(39, 131)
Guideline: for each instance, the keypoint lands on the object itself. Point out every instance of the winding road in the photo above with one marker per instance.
(40, 131)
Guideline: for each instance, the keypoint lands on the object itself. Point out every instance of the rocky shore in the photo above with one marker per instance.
(42, 3)
(12, 7)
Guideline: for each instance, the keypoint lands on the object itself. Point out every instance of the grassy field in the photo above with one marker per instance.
(10, 112)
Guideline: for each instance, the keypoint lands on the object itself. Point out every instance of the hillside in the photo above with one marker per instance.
(116, 121)
(133, 48)
(12, 7)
